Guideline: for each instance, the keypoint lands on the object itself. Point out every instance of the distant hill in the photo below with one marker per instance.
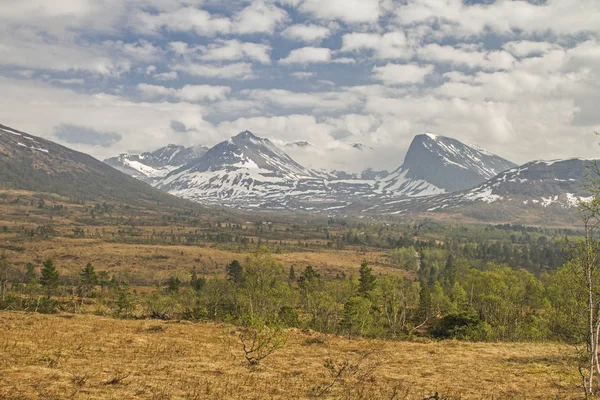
(31, 163)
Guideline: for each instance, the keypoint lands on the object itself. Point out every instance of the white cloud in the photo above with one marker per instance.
(316, 101)
(307, 33)
(142, 125)
(457, 19)
(488, 60)
(392, 45)
(233, 50)
(307, 55)
(527, 48)
(402, 74)
(348, 11)
(191, 93)
(166, 76)
(227, 71)
(259, 17)
(181, 20)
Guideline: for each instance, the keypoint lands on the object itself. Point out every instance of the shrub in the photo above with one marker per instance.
(260, 339)
(462, 325)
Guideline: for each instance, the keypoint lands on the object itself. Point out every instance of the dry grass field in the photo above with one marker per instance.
(146, 263)
(86, 357)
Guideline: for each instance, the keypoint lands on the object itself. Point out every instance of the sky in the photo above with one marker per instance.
(519, 78)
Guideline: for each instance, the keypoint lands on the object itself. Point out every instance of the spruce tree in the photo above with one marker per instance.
(197, 283)
(235, 272)
(88, 279)
(173, 285)
(49, 277)
(366, 279)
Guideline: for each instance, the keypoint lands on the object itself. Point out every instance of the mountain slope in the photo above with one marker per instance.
(436, 164)
(539, 192)
(31, 163)
(242, 168)
(152, 166)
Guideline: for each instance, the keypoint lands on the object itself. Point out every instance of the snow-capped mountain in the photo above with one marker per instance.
(249, 172)
(436, 164)
(150, 167)
(368, 174)
(244, 169)
(539, 192)
(543, 183)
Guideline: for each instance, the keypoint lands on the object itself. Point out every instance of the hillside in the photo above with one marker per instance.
(31, 163)
(150, 167)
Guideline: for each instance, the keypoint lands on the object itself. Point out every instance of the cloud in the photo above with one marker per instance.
(402, 74)
(183, 19)
(527, 48)
(81, 135)
(228, 71)
(259, 17)
(488, 60)
(62, 57)
(142, 125)
(454, 18)
(306, 33)
(234, 50)
(392, 45)
(348, 11)
(307, 55)
(192, 93)
(317, 101)
(166, 76)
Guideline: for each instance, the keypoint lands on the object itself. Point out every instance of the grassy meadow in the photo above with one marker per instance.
(69, 356)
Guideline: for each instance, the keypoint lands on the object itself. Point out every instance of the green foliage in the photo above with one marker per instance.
(88, 279)
(404, 258)
(125, 302)
(235, 272)
(49, 277)
(366, 279)
(357, 319)
(288, 317)
(463, 325)
(260, 339)
(173, 285)
(196, 283)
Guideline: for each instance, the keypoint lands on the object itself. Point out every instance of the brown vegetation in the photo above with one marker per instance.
(88, 357)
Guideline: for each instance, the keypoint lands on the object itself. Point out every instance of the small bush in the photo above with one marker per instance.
(288, 316)
(463, 325)
(260, 339)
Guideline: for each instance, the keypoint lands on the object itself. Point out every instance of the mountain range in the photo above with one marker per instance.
(439, 176)
(150, 167)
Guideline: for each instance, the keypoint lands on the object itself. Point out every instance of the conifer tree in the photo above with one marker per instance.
(196, 283)
(366, 279)
(49, 277)
(235, 272)
(88, 279)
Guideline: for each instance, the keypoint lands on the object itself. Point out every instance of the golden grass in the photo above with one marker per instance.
(88, 357)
